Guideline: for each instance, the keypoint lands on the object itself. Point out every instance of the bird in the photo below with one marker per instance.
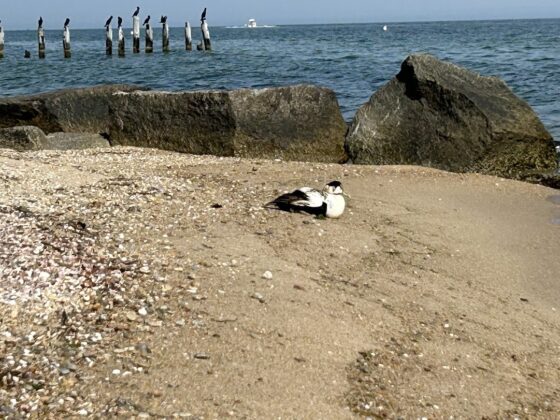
(147, 20)
(108, 21)
(163, 19)
(67, 22)
(203, 17)
(40, 21)
(119, 20)
(137, 12)
(329, 202)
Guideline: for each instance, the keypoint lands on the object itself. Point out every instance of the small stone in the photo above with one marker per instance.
(142, 348)
(116, 372)
(180, 323)
(201, 356)
(83, 412)
(267, 275)
(131, 316)
(145, 270)
(142, 312)
(258, 296)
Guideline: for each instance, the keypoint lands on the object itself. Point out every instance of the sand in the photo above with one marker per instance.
(435, 295)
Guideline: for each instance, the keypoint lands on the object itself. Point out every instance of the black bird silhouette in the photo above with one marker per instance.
(40, 22)
(108, 22)
(147, 20)
(203, 17)
(119, 20)
(137, 11)
(163, 19)
(67, 22)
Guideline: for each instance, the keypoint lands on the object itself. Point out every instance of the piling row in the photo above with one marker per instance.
(205, 45)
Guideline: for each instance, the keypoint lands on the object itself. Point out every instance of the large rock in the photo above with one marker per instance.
(292, 123)
(75, 141)
(437, 114)
(72, 110)
(22, 139)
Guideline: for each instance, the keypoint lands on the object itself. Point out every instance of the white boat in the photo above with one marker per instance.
(385, 28)
(251, 24)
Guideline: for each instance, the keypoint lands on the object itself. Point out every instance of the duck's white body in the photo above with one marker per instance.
(336, 204)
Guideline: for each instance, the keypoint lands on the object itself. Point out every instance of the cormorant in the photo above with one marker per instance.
(40, 22)
(137, 11)
(108, 22)
(203, 17)
(147, 20)
(163, 19)
(119, 20)
(67, 22)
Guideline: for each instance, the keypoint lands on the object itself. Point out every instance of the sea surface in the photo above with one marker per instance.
(354, 60)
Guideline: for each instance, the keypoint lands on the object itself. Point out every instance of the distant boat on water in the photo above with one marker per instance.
(251, 24)
(385, 28)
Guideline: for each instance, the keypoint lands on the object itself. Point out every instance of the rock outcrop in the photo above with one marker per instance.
(75, 141)
(71, 110)
(440, 115)
(24, 138)
(291, 123)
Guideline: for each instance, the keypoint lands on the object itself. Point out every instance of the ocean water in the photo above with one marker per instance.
(354, 60)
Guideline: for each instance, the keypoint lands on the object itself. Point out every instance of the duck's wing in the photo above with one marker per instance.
(304, 199)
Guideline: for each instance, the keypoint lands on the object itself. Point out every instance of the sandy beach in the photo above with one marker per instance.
(133, 284)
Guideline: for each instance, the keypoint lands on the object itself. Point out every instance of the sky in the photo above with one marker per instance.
(23, 14)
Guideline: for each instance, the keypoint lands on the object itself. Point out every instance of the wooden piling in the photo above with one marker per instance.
(1, 42)
(165, 35)
(188, 36)
(149, 39)
(207, 44)
(108, 40)
(66, 43)
(135, 34)
(41, 39)
(121, 42)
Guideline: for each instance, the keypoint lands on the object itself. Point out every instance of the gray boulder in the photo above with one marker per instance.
(71, 110)
(292, 123)
(75, 141)
(440, 115)
(22, 139)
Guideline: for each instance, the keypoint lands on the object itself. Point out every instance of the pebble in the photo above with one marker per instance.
(258, 296)
(142, 312)
(202, 356)
(267, 275)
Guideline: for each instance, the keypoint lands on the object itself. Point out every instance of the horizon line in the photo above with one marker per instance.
(331, 23)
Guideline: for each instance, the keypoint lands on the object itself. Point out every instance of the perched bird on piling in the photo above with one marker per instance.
(40, 21)
(137, 12)
(329, 202)
(147, 20)
(203, 17)
(108, 21)
(66, 23)
(119, 20)
(163, 19)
